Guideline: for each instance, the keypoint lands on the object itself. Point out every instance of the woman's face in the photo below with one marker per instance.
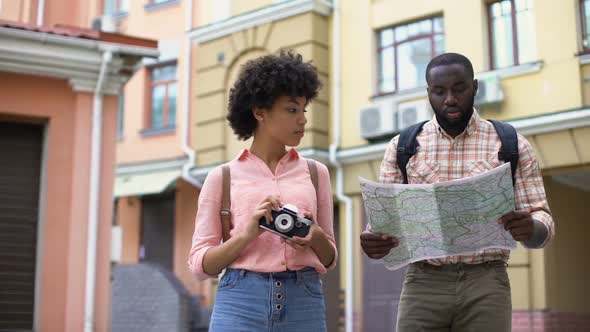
(285, 122)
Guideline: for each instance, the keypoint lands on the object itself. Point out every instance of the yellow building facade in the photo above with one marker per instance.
(530, 57)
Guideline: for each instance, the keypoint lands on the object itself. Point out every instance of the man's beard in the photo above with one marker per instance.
(461, 124)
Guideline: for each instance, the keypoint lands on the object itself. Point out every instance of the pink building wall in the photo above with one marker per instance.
(64, 239)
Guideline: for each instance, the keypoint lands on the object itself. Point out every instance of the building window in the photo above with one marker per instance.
(404, 52)
(512, 32)
(114, 7)
(585, 13)
(163, 87)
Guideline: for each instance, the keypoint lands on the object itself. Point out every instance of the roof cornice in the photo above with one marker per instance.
(259, 17)
(76, 60)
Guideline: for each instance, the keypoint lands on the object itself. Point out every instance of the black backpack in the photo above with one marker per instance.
(407, 144)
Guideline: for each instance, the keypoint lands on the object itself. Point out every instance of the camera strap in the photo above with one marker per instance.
(225, 211)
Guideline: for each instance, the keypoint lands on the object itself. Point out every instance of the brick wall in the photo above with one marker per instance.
(147, 297)
(548, 321)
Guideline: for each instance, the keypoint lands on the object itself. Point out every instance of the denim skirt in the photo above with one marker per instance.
(276, 301)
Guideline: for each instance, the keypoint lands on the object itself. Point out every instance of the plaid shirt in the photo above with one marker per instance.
(441, 157)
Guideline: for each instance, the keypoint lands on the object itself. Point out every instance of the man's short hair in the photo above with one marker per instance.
(450, 59)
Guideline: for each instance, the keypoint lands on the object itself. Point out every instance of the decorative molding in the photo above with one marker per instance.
(271, 13)
(150, 132)
(514, 71)
(396, 98)
(526, 127)
(200, 173)
(322, 156)
(584, 59)
(362, 153)
(529, 126)
(74, 59)
(552, 122)
(155, 6)
(150, 166)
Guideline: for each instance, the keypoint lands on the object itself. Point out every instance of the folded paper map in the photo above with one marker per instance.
(441, 219)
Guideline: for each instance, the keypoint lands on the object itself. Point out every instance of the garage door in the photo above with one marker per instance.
(20, 168)
(157, 230)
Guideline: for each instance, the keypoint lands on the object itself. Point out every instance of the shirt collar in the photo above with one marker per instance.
(472, 125)
(245, 153)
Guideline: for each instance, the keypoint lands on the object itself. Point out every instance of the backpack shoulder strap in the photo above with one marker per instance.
(406, 146)
(509, 150)
(313, 172)
(225, 211)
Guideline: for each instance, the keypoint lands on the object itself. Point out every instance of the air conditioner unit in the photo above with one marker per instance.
(378, 120)
(409, 113)
(489, 91)
(105, 23)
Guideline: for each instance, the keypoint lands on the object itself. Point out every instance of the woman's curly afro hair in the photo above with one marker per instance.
(262, 81)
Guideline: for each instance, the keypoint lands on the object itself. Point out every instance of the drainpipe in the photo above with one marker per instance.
(347, 201)
(40, 12)
(93, 210)
(186, 148)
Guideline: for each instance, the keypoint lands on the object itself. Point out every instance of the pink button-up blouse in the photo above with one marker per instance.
(251, 182)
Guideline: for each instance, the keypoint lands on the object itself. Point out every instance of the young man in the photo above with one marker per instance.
(468, 292)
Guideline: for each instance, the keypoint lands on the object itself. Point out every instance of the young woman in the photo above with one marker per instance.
(270, 283)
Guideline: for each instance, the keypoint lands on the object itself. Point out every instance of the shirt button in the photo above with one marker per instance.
(283, 263)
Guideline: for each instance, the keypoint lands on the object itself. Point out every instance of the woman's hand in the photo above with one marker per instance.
(252, 231)
(301, 243)
(318, 241)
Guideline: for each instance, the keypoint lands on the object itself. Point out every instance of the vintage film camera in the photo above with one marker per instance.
(286, 223)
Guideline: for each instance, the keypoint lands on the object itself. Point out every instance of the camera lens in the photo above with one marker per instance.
(284, 223)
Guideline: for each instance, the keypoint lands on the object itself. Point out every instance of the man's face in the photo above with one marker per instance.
(451, 92)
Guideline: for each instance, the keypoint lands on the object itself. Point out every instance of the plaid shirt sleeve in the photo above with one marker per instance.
(389, 172)
(529, 192)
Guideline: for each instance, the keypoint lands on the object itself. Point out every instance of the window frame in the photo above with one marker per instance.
(153, 5)
(514, 25)
(167, 126)
(118, 6)
(395, 44)
(583, 26)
